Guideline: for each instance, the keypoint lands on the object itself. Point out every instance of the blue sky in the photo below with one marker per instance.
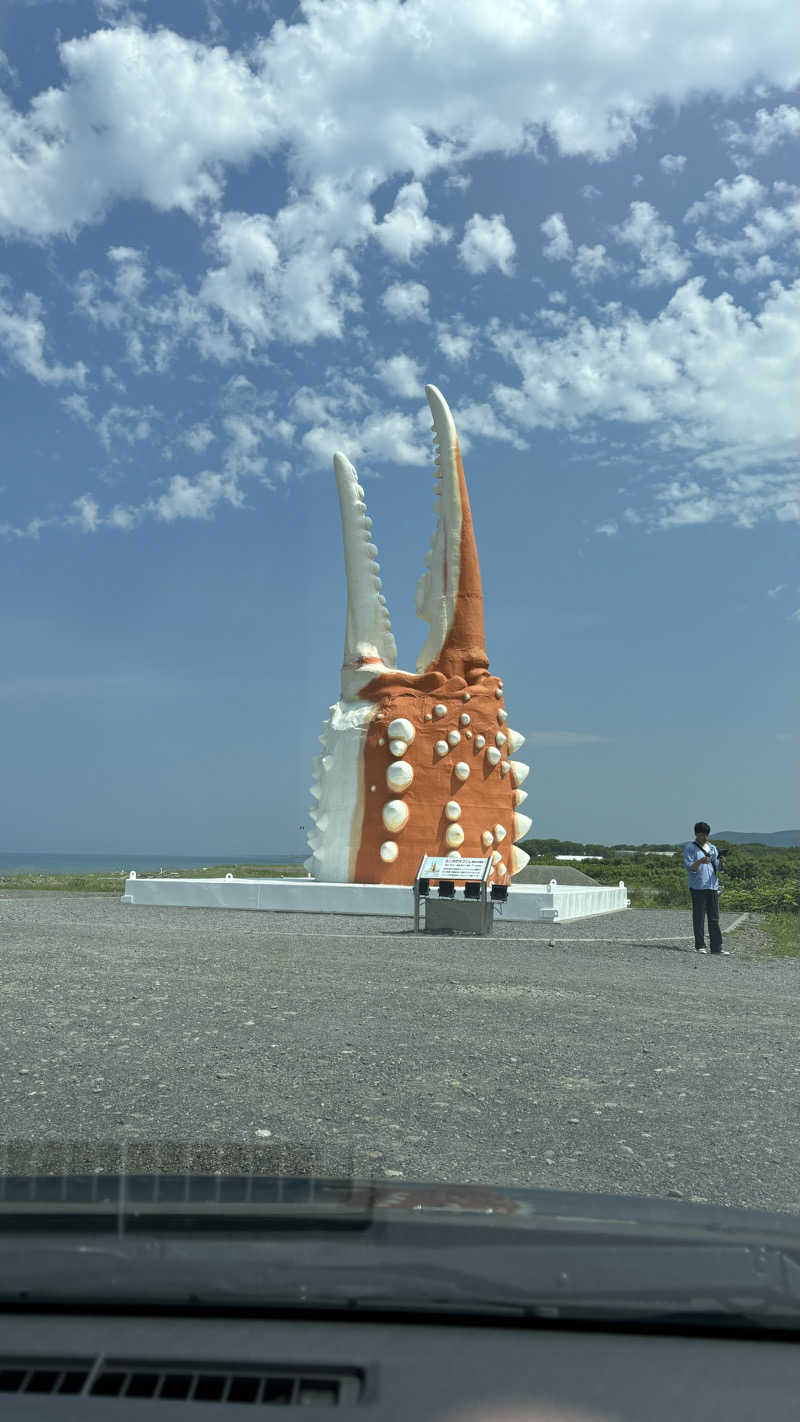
(237, 237)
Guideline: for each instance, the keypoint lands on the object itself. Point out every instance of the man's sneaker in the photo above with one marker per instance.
(701, 950)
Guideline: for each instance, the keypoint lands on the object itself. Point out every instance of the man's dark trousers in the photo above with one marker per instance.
(706, 901)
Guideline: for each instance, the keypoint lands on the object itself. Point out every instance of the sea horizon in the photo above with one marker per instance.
(50, 862)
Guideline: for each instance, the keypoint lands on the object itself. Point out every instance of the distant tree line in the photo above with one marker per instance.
(758, 878)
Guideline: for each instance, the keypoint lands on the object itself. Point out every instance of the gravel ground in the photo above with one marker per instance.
(602, 1054)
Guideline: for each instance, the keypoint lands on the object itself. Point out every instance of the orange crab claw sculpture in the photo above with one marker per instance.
(421, 763)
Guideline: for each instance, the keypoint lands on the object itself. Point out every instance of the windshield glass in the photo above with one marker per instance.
(397, 597)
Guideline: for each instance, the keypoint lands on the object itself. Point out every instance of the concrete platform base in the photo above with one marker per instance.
(527, 903)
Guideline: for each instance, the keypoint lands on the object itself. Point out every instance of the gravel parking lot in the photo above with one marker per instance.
(602, 1054)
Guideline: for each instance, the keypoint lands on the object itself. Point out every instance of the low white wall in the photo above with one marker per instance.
(527, 903)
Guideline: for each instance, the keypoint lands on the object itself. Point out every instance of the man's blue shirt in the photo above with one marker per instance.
(705, 876)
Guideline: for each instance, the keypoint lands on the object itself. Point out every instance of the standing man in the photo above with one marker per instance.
(702, 861)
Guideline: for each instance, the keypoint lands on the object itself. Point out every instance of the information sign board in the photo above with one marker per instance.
(453, 867)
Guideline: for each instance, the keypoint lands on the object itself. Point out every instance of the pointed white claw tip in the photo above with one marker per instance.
(316, 791)
(518, 859)
(522, 824)
(461, 770)
(452, 810)
(498, 692)
(518, 797)
(441, 748)
(401, 730)
(502, 716)
(487, 838)
(493, 755)
(480, 742)
(496, 856)
(515, 740)
(453, 738)
(439, 711)
(389, 852)
(505, 766)
(454, 836)
(501, 738)
(464, 719)
(399, 775)
(395, 815)
(519, 771)
(499, 833)
(398, 748)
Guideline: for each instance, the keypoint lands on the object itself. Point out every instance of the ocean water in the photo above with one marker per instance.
(94, 863)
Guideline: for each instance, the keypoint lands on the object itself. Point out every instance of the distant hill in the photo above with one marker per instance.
(780, 839)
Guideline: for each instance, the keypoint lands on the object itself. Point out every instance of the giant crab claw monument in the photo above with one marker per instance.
(418, 762)
(413, 763)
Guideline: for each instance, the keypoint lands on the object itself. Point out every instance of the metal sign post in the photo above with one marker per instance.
(461, 903)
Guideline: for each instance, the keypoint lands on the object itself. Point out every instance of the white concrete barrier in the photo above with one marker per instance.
(526, 903)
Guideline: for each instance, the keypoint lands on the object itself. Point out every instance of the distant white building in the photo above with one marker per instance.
(579, 858)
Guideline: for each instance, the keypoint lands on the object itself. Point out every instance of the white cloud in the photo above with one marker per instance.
(661, 258)
(559, 245)
(406, 231)
(288, 278)
(771, 126)
(743, 499)
(183, 498)
(672, 163)
(591, 263)
(727, 201)
(94, 140)
(187, 498)
(474, 418)
(487, 243)
(125, 423)
(590, 192)
(387, 437)
(23, 339)
(87, 513)
(78, 406)
(198, 438)
(402, 376)
(406, 301)
(456, 341)
(764, 246)
(706, 377)
(357, 92)
(609, 528)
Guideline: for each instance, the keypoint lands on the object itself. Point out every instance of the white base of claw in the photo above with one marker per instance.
(339, 814)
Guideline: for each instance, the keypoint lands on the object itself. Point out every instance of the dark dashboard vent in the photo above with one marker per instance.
(174, 1382)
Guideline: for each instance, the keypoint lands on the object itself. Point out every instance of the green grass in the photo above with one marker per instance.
(112, 883)
(783, 932)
